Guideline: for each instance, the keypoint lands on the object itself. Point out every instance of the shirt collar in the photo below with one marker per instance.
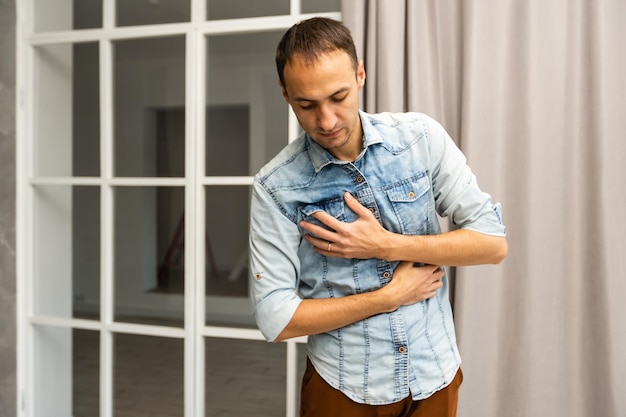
(320, 157)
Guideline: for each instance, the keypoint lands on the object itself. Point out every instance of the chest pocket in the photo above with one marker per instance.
(412, 205)
(334, 207)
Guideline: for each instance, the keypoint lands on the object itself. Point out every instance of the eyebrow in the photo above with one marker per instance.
(341, 90)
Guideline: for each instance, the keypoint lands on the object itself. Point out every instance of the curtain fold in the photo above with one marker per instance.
(409, 48)
(535, 94)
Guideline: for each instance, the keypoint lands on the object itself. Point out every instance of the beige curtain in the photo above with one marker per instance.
(412, 55)
(534, 91)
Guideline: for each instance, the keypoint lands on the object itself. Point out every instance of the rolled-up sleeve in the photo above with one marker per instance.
(274, 264)
(456, 191)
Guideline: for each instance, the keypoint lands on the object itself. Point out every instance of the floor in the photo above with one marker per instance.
(242, 378)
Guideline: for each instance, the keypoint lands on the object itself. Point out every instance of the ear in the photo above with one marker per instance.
(360, 74)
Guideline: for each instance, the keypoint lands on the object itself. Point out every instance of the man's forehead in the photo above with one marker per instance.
(323, 78)
(311, 60)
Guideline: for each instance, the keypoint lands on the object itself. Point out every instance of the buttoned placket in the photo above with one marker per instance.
(365, 196)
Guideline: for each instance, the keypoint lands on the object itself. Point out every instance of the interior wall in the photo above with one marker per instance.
(8, 340)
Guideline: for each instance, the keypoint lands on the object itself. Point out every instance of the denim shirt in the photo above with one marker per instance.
(408, 171)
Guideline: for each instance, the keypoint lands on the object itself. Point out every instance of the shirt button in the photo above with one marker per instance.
(359, 179)
(402, 349)
(372, 209)
(386, 275)
(411, 194)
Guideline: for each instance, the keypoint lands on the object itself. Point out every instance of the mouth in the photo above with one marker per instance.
(330, 135)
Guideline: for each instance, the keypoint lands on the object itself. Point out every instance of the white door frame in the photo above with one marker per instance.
(195, 331)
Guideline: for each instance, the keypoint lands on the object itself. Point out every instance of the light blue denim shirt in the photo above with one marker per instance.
(408, 171)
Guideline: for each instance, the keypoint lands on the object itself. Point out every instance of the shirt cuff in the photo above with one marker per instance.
(274, 312)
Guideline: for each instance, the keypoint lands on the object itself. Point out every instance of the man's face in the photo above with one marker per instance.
(324, 96)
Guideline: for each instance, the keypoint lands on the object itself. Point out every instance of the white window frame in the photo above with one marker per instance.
(195, 330)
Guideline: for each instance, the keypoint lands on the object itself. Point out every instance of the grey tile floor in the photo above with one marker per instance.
(243, 378)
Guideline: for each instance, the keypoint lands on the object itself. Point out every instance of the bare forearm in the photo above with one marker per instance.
(456, 248)
(315, 316)
(408, 285)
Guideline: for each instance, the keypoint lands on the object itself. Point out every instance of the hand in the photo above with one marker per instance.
(362, 239)
(411, 284)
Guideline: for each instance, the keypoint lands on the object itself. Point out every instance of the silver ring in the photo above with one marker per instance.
(329, 245)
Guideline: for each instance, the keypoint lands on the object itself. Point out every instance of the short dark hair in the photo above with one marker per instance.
(312, 37)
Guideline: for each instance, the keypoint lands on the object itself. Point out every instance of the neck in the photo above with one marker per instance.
(353, 148)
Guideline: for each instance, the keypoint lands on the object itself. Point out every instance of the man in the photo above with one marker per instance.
(345, 244)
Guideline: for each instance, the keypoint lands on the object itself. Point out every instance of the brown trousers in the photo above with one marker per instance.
(318, 399)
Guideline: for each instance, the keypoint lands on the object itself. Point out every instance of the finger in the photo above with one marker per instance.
(320, 244)
(327, 219)
(356, 206)
(404, 265)
(438, 272)
(434, 268)
(318, 231)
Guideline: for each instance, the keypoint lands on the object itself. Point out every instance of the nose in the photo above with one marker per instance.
(326, 119)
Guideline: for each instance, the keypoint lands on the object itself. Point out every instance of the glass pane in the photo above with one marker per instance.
(149, 107)
(151, 12)
(226, 248)
(67, 110)
(86, 374)
(233, 9)
(227, 212)
(246, 113)
(320, 6)
(148, 376)
(67, 369)
(53, 15)
(67, 244)
(245, 378)
(149, 255)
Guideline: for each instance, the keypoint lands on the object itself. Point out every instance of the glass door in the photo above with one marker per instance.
(140, 127)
